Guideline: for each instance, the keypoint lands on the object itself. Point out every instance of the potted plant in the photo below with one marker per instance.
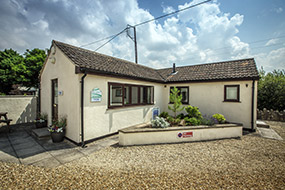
(57, 129)
(41, 121)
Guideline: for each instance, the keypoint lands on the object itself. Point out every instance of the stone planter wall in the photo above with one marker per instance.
(270, 115)
(140, 135)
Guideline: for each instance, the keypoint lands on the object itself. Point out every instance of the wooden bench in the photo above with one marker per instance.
(5, 120)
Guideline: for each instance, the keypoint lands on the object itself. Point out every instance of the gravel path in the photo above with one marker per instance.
(250, 163)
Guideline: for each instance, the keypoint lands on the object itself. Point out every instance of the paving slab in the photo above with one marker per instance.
(69, 156)
(22, 141)
(90, 149)
(9, 157)
(25, 144)
(48, 162)
(4, 144)
(268, 133)
(36, 158)
(21, 146)
(49, 145)
(107, 142)
(30, 151)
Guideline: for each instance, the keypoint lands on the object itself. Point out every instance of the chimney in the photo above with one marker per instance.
(173, 70)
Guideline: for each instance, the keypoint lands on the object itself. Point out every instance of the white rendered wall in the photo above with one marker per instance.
(99, 120)
(69, 83)
(209, 97)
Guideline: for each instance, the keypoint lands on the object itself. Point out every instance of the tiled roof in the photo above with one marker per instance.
(99, 63)
(227, 70)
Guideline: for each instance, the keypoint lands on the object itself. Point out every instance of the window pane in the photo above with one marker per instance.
(135, 94)
(171, 88)
(148, 97)
(116, 94)
(184, 92)
(181, 91)
(141, 95)
(231, 93)
(127, 95)
(152, 95)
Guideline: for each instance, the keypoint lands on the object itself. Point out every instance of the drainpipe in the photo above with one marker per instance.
(252, 106)
(39, 97)
(82, 108)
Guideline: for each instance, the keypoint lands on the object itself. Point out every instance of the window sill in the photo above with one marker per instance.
(128, 106)
(182, 103)
(232, 101)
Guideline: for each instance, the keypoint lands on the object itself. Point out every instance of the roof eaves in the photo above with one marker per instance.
(113, 74)
(213, 80)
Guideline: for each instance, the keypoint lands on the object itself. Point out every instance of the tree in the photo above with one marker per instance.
(12, 70)
(16, 69)
(271, 90)
(176, 99)
(33, 61)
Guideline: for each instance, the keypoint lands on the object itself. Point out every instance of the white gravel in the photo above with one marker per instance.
(250, 163)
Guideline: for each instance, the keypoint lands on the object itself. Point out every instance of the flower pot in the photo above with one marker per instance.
(41, 124)
(57, 137)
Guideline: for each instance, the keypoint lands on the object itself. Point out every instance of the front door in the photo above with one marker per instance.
(54, 99)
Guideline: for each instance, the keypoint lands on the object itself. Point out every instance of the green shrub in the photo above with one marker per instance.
(164, 114)
(219, 117)
(193, 112)
(192, 121)
(271, 90)
(173, 121)
(175, 99)
(209, 120)
(159, 122)
(180, 116)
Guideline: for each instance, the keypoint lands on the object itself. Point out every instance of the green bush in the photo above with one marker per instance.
(193, 112)
(180, 116)
(208, 120)
(271, 90)
(159, 122)
(192, 121)
(219, 117)
(164, 114)
(173, 121)
(175, 99)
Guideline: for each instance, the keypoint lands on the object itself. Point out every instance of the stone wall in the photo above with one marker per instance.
(21, 109)
(270, 115)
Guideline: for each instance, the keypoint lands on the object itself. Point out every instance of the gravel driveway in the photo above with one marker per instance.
(250, 163)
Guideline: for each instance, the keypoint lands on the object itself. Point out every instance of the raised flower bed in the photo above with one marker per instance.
(144, 134)
(180, 128)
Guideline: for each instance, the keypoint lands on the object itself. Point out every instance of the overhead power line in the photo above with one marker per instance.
(97, 41)
(174, 12)
(115, 35)
(111, 39)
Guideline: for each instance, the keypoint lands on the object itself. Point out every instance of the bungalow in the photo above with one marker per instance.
(101, 94)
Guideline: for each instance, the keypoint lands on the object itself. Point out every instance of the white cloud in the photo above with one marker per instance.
(272, 60)
(271, 42)
(198, 35)
(167, 9)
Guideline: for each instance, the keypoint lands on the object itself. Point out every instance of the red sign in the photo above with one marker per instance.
(185, 134)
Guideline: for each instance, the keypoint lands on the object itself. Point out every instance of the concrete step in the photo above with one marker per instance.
(262, 124)
(41, 133)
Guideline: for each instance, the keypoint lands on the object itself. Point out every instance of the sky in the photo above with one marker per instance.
(219, 30)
